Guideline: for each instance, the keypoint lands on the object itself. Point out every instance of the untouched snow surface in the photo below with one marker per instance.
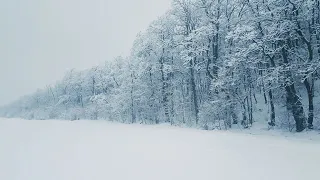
(99, 150)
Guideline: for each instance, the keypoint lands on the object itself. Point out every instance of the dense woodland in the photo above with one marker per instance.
(205, 63)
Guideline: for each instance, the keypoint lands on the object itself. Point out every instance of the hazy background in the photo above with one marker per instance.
(41, 39)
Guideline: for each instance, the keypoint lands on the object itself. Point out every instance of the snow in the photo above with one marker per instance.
(101, 150)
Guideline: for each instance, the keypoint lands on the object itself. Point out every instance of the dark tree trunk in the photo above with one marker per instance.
(273, 114)
(310, 91)
(164, 90)
(234, 117)
(309, 85)
(250, 106)
(151, 104)
(208, 62)
(265, 96)
(293, 102)
(193, 90)
(244, 121)
(171, 75)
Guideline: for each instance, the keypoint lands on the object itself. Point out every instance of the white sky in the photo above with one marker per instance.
(41, 39)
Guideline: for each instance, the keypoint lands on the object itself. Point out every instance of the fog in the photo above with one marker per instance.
(41, 40)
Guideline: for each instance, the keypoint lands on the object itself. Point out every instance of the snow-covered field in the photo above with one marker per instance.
(100, 150)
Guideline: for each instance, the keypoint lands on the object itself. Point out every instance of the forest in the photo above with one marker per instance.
(209, 64)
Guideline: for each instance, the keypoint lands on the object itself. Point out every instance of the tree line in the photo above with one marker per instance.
(205, 63)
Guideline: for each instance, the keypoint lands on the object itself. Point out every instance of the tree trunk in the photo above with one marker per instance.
(151, 103)
(310, 91)
(171, 75)
(293, 102)
(133, 117)
(309, 85)
(273, 114)
(250, 107)
(193, 91)
(93, 86)
(164, 89)
(244, 121)
(265, 96)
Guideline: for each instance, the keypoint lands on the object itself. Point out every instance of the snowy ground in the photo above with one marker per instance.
(99, 150)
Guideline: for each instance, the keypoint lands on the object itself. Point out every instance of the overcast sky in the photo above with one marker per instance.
(41, 39)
